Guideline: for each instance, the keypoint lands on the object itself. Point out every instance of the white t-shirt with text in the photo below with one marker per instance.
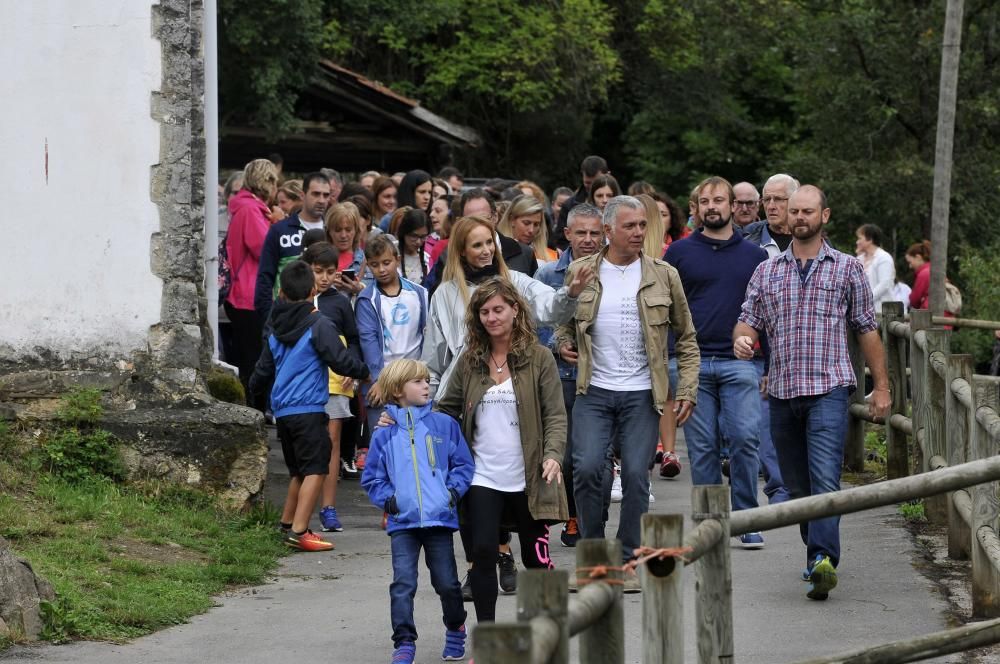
(496, 443)
(619, 354)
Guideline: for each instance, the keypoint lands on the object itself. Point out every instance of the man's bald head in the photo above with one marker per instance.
(807, 213)
(808, 194)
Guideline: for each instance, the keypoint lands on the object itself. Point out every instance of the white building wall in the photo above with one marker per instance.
(78, 142)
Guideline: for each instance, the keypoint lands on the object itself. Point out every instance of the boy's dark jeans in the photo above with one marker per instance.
(439, 554)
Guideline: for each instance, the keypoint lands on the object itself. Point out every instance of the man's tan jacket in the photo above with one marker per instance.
(662, 308)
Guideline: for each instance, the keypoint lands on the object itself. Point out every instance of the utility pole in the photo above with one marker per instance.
(951, 50)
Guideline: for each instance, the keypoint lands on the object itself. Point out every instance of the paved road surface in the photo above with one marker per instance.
(333, 607)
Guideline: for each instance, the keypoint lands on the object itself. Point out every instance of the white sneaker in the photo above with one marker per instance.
(652, 498)
(616, 486)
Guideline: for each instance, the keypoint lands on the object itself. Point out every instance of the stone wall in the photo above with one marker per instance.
(120, 302)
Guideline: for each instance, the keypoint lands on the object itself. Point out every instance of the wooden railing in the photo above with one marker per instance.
(956, 428)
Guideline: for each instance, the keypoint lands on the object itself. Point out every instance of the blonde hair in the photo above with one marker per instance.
(536, 191)
(453, 268)
(653, 244)
(260, 178)
(524, 206)
(398, 373)
(348, 214)
(293, 190)
(477, 339)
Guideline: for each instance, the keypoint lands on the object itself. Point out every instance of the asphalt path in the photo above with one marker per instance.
(334, 606)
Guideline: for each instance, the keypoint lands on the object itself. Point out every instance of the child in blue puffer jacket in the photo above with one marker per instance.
(417, 470)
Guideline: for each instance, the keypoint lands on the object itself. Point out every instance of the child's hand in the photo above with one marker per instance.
(385, 421)
(347, 383)
(390, 506)
(551, 470)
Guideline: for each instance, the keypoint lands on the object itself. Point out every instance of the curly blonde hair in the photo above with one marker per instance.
(477, 340)
(260, 178)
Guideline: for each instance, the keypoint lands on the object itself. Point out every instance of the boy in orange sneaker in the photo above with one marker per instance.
(300, 347)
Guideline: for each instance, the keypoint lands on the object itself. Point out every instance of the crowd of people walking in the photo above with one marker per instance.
(496, 361)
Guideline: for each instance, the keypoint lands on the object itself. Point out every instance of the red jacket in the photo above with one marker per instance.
(920, 296)
(248, 226)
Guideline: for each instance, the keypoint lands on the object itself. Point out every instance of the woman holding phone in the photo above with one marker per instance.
(343, 229)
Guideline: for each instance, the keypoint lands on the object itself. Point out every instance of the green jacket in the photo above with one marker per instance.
(540, 410)
(662, 308)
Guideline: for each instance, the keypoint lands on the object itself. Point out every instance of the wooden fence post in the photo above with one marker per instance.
(662, 592)
(502, 643)
(958, 433)
(935, 444)
(713, 580)
(897, 458)
(542, 592)
(604, 642)
(854, 445)
(985, 508)
(920, 319)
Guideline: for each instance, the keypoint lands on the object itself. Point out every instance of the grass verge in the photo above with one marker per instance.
(125, 560)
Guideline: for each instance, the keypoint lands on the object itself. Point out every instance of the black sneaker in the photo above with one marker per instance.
(349, 469)
(508, 572)
(724, 462)
(467, 588)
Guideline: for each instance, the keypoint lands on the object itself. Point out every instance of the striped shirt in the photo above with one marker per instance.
(806, 316)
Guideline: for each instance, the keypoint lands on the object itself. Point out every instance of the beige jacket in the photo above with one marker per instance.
(662, 308)
(541, 413)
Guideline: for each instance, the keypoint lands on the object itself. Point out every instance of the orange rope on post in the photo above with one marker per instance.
(643, 555)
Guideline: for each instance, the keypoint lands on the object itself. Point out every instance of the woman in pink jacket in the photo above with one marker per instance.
(248, 224)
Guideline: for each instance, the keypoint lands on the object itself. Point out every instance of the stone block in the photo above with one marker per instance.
(176, 346)
(176, 256)
(179, 303)
(21, 592)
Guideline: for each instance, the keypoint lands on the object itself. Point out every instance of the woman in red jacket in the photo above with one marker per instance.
(918, 257)
(248, 224)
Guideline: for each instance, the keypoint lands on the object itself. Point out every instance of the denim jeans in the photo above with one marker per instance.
(727, 414)
(439, 554)
(774, 486)
(809, 436)
(569, 398)
(599, 417)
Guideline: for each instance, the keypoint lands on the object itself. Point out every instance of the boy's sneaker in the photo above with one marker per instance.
(385, 520)
(570, 534)
(823, 576)
(671, 466)
(307, 541)
(349, 469)
(724, 462)
(467, 587)
(454, 644)
(404, 653)
(658, 457)
(508, 572)
(360, 458)
(328, 518)
(616, 486)
(752, 541)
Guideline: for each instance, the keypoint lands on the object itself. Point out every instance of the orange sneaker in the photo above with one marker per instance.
(570, 534)
(308, 541)
(385, 520)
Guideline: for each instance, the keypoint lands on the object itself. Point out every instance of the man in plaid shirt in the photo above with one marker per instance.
(805, 299)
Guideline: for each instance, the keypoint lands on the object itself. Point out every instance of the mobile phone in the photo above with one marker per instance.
(350, 275)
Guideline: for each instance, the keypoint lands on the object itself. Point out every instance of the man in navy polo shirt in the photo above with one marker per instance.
(715, 264)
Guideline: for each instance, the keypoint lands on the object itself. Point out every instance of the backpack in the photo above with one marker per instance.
(225, 276)
(952, 298)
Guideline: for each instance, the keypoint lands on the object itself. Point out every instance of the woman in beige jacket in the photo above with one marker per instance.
(507, 395)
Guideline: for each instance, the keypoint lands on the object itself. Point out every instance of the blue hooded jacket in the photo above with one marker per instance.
(419, 461)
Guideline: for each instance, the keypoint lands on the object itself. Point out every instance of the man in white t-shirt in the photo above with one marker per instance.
(618, 340)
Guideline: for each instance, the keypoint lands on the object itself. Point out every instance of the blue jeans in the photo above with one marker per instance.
(599, 417)
(439, 554)
(809, 436)
(774, 486)
(727, 413)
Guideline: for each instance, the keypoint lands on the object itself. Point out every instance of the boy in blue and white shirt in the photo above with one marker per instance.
(391, 316)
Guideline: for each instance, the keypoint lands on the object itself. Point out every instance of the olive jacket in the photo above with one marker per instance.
(663, 308)
(541, 414)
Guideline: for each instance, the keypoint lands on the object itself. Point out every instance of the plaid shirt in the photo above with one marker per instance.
(806, 319)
